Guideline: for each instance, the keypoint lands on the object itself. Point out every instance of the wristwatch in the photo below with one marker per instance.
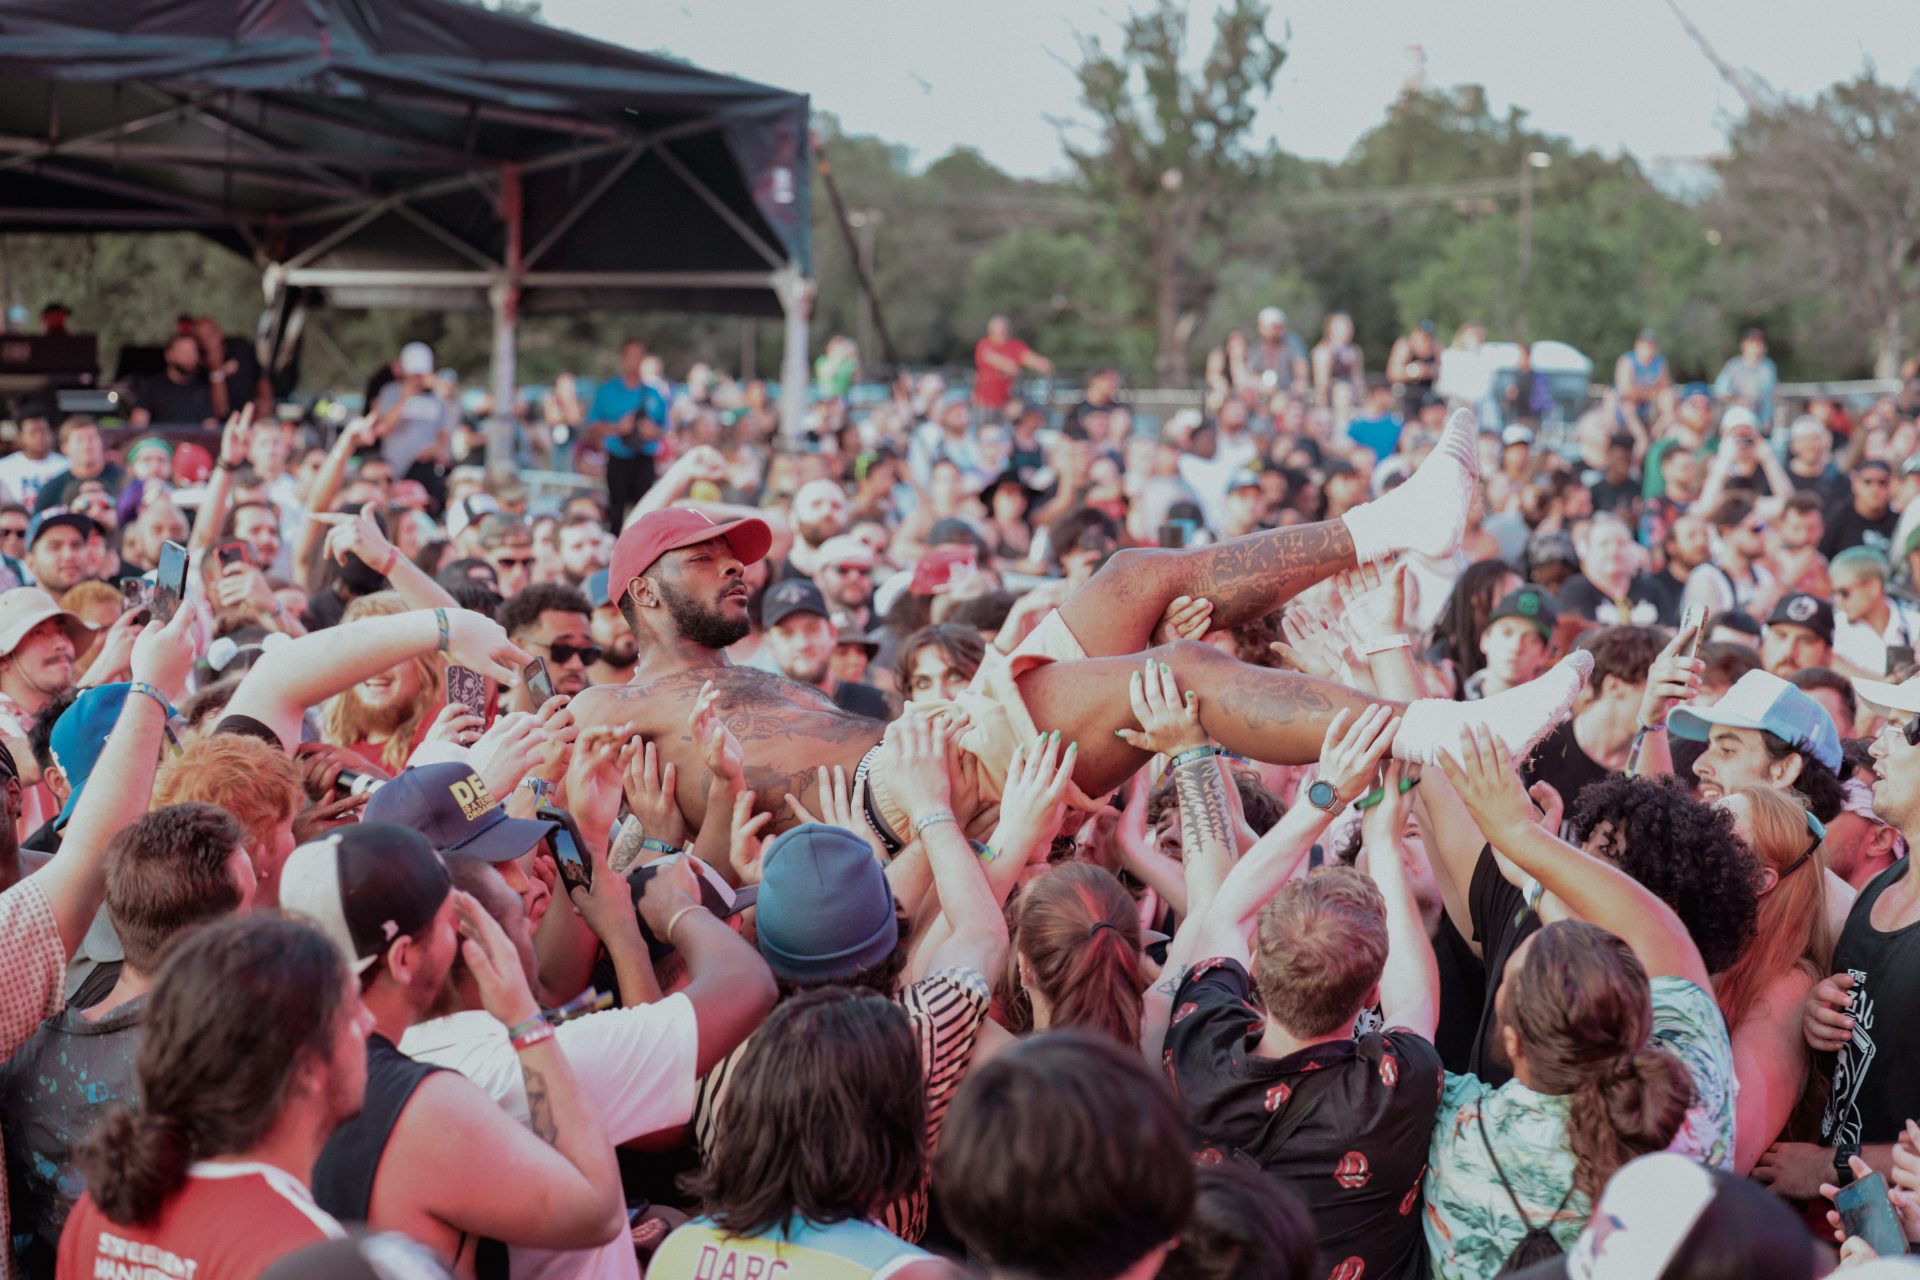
(1321, 795)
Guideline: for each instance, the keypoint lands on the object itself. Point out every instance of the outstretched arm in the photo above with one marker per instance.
(212, 516)
(1591, 888)
(1410, 982)
(306, 672)
(359, 535)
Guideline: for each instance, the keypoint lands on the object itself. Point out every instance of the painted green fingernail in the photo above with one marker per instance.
(1191, 695)
(1119, 733)
(1165, 670)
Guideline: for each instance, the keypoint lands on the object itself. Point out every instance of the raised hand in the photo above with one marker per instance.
(838, 806)
(357, 534)
(650, 791)
(1168, 723)
(508, 751)
(237, 436)
(915, 758)
(164, 653)
(1350, 755)
(1673, 678)
(477, 641)
(490, 955)
(718, 747)
(1033, 801)
(600, 757)
(455, 725)
(1487, 783)
(1186, 618)
(748, 832)
(1826, 1020)
(1375, 599)
(1314, 644)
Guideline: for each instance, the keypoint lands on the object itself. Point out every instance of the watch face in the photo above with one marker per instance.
(1321, 793)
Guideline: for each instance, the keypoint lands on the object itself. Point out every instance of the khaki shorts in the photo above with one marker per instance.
(997, 721)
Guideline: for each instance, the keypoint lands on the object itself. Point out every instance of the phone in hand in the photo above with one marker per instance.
(539, 683)
(1695, 616)
(231, 553)
(1865, 1211)
(169, 581)
(1173, 536)
(133, 599)
(576, 869)
(468, 688)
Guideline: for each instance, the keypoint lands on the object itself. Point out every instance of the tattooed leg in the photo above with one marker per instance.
(1245, 578)
(1267, 715)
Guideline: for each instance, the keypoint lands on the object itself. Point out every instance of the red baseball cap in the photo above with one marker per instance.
(658, 532)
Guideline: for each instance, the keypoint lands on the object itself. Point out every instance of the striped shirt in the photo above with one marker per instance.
(946, 1009)
(32, 964)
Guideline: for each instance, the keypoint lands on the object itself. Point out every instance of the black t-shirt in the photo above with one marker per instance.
(1560, 762)
(862, 700)
(170, 403)
(1501, 922)
(1579, 595)
(1346, 1123)
(57, 491)
(1608, 496)
(1666, 592)
(1875, 1088)
(1463, 994)
(1848, 528)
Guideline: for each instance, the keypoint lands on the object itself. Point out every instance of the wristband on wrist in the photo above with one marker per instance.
(541, 1032)
(446, 630)
(521, 1028)
(226, 466)
(141, 686)
(675, 918)
(1381, 644)
(540, 787)
(934, 820)
(1193, 754)
(1646, 729)
(650, 845)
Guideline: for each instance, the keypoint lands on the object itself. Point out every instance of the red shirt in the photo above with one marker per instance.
(990, 386)
(226, 1222)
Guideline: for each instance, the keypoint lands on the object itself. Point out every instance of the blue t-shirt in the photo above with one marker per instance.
(801, 1250)
(1382, 435)
(615, 400)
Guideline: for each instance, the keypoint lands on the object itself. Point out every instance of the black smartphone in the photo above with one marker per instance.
(576, 869)
(169, 581)
(1866, 1212)
(229, 553)
(539, 683)
(468, 688)
(1173, 535)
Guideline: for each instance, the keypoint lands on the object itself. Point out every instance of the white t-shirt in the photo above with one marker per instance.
(637, 1067)
(23, 476)
(1861, 645)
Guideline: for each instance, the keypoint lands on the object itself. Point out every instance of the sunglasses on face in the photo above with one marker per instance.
(13, 533)
(509, 562)
(1911, 732)
(854, 570)
(563, 653)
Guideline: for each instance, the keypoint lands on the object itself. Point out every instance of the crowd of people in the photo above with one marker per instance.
(1315, 838)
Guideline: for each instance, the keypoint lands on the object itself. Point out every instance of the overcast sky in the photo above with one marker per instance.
(1619, 74)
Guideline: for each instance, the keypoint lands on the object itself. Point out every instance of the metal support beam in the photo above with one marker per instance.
(348, 278)
(719, 207)
(796, 299)
(505, 297)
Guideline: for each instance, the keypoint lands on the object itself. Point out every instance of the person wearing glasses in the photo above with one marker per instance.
(1869, 520)
(1736, 577)
(1866, 1011)
(14, 522)
(553, 621)
(845, 577)
(506, 543)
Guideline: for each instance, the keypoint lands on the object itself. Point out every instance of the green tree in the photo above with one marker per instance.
(1175, 155)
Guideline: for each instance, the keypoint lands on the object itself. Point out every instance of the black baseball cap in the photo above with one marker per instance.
(794, 595)
(1532, 604)
(451, 807)
(1803, 610)
(365, 886)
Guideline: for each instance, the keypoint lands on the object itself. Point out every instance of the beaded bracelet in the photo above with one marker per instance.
(519, 1029)
(934, 820)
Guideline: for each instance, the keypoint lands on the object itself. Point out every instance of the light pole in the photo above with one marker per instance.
(1534, 160)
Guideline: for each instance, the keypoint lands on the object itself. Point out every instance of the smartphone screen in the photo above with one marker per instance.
(468, 688)
(133, 599)
(539, 683)
(1866, 1212)
(169, 581)
(231, 553)
(576, 872)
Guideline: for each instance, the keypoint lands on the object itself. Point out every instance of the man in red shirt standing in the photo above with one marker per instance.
(998, 359)
(255, 1052)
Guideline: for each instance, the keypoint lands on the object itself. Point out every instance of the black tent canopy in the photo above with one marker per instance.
(411, 153)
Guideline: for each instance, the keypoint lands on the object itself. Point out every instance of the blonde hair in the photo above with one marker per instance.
(343, 721)
(1791, 931)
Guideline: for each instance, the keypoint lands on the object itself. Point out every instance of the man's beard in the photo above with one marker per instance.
(624, 651)
(815, 676)
(706, 627)
(815, 532)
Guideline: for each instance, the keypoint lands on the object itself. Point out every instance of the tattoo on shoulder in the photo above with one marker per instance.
(540, 1108)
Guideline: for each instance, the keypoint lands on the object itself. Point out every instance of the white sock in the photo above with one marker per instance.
(1520, 717)
(1428, 513)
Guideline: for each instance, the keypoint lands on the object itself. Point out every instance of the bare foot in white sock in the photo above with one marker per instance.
(1428, 513)
(1520, 717)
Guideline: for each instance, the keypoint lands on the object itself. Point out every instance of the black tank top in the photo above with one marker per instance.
(343, 1176)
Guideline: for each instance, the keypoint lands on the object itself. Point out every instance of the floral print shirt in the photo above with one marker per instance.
(1471, 1223)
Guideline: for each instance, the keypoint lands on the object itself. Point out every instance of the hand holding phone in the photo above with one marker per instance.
(576, 868)
(169, 582)
(468, 688)
(539, 683)
(1694, 616)
(1865, 1211)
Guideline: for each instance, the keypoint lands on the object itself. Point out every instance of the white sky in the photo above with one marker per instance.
(1612, 75)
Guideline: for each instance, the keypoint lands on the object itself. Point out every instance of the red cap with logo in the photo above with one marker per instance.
(658, 532)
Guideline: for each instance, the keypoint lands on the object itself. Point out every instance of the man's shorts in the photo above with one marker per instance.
(997, 721)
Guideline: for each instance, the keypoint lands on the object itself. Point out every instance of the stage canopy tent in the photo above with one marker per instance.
(409, 153)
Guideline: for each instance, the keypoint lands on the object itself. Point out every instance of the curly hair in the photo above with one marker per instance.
(1683, 849)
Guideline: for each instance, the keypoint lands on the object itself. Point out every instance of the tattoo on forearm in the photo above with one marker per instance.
(1203, 803)
(626, 846)
(540, 1108)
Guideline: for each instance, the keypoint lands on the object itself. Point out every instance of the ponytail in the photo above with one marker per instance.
(1080, 938)
(1583, 1012)
(133, 1163)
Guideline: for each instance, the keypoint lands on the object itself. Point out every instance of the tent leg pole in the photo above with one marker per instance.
(505, 297)
(796, 300)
